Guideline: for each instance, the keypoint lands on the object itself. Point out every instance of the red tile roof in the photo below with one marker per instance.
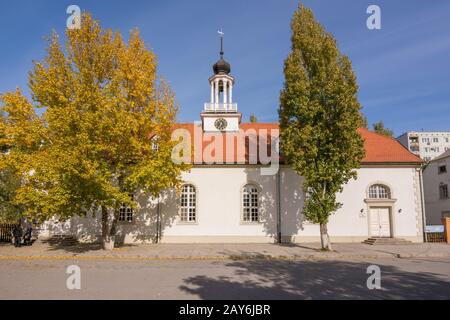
(383, 149)
(379, 149)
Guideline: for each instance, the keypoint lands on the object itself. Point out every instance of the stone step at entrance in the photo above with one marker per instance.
(384, 241)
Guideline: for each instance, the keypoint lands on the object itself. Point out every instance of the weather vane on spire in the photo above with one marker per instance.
(221, 33)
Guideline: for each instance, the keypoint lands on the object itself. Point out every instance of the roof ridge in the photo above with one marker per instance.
(379, 149)
(444, 155)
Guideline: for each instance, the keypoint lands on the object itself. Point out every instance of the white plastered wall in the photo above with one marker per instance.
(219, 209)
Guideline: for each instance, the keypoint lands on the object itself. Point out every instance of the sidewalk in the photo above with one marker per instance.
(44, 251)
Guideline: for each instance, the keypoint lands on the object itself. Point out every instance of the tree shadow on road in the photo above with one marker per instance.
(78, 248)
(324, 280)
(58, 245)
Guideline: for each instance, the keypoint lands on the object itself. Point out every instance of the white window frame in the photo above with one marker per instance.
(188, 204)
(126, 214)
(379, 191)
(155, 144)
(250, 202)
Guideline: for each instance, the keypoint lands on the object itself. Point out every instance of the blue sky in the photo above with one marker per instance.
(403, 69)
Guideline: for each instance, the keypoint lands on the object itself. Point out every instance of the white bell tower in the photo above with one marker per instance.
(221, 114)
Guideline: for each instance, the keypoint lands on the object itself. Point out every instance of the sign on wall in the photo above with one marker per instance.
(434, 229)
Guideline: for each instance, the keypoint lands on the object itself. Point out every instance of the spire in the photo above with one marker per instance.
(222, 93)
(220, 32)
(221, 66)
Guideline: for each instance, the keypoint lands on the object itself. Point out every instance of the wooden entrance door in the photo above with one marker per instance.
(380, 222)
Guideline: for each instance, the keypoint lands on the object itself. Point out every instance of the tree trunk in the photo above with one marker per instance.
(324, 237)
(108, 230)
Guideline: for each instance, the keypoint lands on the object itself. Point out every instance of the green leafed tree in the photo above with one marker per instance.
(253, 119)
(104, 108)
(364, 122)
(319, 118)
(381, 129)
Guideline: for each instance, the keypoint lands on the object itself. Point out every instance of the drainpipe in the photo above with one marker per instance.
(158, 221)
(279, 234)
(422, 201)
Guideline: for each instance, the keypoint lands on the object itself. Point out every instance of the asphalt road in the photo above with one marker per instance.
(252, 279)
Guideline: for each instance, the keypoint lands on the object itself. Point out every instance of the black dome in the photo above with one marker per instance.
(222, 67)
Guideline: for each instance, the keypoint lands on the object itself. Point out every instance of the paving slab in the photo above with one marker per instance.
(41, 250)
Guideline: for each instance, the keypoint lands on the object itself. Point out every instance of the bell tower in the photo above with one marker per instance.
(221, 114)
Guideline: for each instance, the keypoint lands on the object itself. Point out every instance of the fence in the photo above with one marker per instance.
(434, 237)
(435, 233)
(5, 232)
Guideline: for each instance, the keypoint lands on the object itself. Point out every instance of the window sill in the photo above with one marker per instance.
(183, 223)
(124, 223)
(371, 201)
(256, 223)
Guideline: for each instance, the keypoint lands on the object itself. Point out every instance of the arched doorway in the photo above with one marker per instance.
(380, 211)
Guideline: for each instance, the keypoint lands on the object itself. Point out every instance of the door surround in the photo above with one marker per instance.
(381, 203)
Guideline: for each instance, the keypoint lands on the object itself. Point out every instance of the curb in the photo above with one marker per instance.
(192, 258)
(222, 257)
(433, 255)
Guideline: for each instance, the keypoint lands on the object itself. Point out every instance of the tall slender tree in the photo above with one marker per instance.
(102, 103)
(379, 127)
(364, 122)
(319, 118)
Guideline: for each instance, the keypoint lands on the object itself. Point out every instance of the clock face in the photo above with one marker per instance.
(221, 124)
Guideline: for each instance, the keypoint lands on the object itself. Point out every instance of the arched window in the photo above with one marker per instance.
(379, 191)
(188, 204)
(250, 204)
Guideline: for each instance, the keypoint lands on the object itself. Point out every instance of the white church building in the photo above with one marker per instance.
(240, 191)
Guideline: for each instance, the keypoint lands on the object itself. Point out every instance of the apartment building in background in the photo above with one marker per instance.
(436, 180)
(427, 145)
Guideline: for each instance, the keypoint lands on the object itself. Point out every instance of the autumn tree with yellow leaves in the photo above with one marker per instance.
(104, 108)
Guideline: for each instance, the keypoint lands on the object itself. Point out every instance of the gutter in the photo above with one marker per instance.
(278, 182)
(422, 202)
(158, 221)
(402, 164)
